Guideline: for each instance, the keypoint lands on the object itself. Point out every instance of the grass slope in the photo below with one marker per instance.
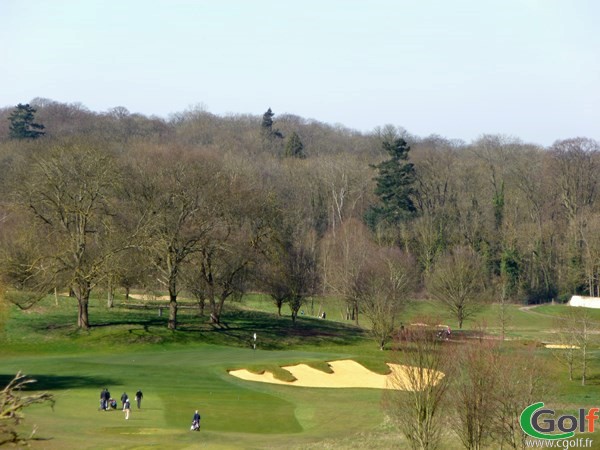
(129, 348)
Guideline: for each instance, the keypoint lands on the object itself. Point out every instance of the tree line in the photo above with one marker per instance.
(215, 206)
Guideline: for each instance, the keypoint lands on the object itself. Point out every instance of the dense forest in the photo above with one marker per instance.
(216, 206)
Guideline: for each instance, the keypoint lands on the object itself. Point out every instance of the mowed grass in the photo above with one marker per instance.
(129, 348)
(537, 323)
(175, 382)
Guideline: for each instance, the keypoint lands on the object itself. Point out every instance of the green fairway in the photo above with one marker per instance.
(185, 370)
(178, 373)
(175, 382)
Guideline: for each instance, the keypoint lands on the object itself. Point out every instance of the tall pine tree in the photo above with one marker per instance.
(267, 122)
(22, 125)
(394, 185)
(267, 126)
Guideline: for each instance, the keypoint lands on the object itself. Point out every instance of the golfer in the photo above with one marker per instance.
(127, 408)
(196, 422)
(138, 398)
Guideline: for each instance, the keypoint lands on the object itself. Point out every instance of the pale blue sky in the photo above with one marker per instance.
(525, 68)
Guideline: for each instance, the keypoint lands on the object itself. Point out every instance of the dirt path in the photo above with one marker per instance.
(530, 309)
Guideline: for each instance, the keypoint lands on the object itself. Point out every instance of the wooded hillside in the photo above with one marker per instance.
(218, 205)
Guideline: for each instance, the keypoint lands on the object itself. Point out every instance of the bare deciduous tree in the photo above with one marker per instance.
(457, 282)
(69, 191)
(12, 403)
(383, 289)
(575, 165)
(346, 254)
(577, 331)
(473, 400)
(589, 232)
(291, 272)
(418, 401)
(521, 382)
(219, 268)
(174, 202)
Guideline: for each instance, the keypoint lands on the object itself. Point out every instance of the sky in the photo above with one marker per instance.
(528, 69)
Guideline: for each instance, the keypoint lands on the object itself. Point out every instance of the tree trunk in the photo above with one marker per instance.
(126, 292)
(220, 305)
(214, 313)
(584, 363)
(279, 304)
(110, 296)
(173, 300)
(173, 312)
(83, 321)
(570, 367)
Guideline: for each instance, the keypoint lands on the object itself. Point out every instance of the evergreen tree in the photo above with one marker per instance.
(267, 122)
(394, 185)
(294, 146)
(22, 125)
(267, 126)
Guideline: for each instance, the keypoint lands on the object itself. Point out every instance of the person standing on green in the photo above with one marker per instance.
(106, 399)
(102, 399)
(127, 408)
(123, 398)
(138, 398)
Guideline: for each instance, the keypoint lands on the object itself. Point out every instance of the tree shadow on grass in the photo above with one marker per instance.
(60, 382)
(144, 325)
(275, 333)
(70, 327)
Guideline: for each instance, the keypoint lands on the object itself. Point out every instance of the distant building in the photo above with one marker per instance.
(587, 302)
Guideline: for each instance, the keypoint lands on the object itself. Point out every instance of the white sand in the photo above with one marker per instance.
(346, 374)
(561, 346)
(149, 297)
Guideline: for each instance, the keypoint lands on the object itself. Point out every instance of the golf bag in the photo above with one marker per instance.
(195, 426)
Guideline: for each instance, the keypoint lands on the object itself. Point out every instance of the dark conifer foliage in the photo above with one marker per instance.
(22, 125)
(395, 185)
(294, 147)
(267, 126)
(267, 121)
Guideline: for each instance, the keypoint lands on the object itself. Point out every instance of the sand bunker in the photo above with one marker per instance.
(149, 297)
(346, 374)
(562, 346)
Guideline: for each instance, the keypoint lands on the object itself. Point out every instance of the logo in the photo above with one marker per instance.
(540, 423)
